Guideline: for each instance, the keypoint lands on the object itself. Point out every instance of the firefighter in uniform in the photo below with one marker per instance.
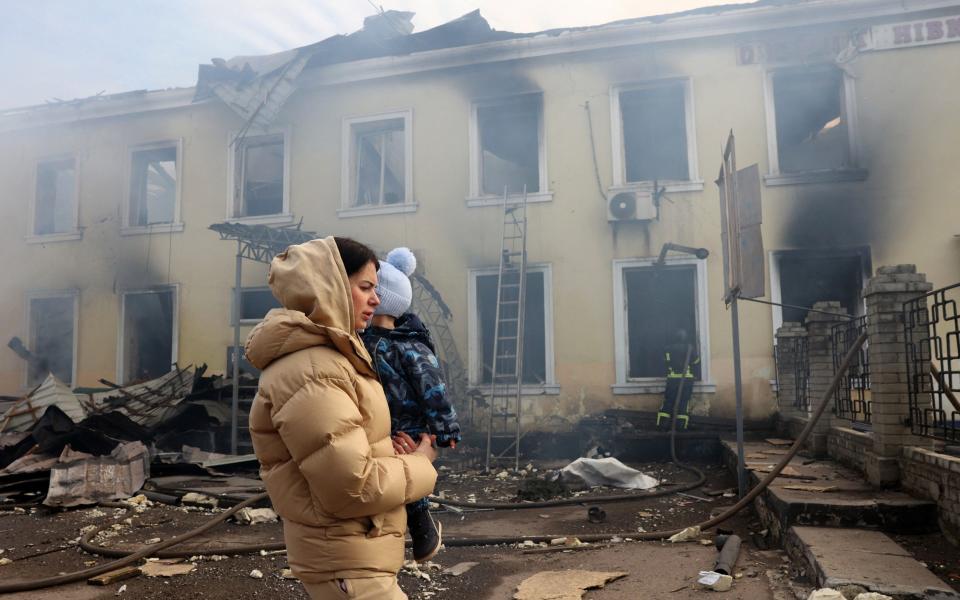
(678, 373)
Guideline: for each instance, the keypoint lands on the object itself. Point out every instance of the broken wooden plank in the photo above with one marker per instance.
(778, 442)
(820, 489)
(114, 576)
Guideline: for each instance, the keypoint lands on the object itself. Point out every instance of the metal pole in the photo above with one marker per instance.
(235, 405)
(738, 387)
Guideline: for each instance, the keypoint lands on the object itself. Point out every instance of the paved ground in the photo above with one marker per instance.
(655, 570)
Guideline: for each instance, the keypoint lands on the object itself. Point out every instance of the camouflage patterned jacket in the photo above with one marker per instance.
(411, 377)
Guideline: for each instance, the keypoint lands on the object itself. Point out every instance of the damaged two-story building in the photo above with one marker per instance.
(401, 138)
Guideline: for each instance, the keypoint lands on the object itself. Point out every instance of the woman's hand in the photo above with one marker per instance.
(403, 443)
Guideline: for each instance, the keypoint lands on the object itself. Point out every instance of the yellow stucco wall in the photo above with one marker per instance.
(905, 210)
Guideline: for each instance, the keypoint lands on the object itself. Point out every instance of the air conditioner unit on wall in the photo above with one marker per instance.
(631, 206)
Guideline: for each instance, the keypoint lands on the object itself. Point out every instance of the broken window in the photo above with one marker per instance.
(55, 210)
(807, 278)
(509, 133)
(379, 163)
(52, 321)
(259, 174)
(655, 133)
(153, 186)
(148, 334)
(661, 302)
(255, 303)
(534, 327)
(811, 120)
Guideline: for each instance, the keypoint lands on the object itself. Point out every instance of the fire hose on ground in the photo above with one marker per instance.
(157, 550)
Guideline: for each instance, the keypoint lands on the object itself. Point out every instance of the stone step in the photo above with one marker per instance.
(826, 494)
(870, 559)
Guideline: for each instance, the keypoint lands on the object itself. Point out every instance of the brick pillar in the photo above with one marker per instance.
(885, 294)
(820, 350)
(786, 372)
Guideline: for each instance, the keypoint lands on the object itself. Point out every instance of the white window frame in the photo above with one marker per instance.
(177, 225)
(175, 346)
(657, 385)
(283, 218)
(474, 352)
(30, 296)
(476, 197)
(776, 295)
(852, 173)
(347, 172)
(620, 183)
(76, 233)
(235, 310)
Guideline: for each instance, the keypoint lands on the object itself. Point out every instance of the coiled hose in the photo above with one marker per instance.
(130, 557)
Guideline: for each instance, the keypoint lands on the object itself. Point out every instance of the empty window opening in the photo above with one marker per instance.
(807, 279)
(534, 326)
(153, 187)
(510, 146)
(55, 210)
(655, 133)
(148, 334)
(811, 121)
(661, 302)
(259, 189)
(255, 303)
(379, 163)
(51, 339)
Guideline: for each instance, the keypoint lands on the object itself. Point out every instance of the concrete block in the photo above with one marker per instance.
(904, 268)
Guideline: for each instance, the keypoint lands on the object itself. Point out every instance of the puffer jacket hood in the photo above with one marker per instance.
(311, 283)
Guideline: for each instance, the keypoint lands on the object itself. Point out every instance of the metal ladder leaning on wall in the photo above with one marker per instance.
(506, 379)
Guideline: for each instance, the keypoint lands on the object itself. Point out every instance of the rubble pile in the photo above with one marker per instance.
(79, 447)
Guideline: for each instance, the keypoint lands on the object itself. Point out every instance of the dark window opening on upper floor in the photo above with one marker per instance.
(379, 163)
(55, 210)
(655, 133)
(260, 174)
(153, 186)
(510, 146)
(811, 120)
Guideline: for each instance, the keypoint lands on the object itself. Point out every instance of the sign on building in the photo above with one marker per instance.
(740, 220)
(913, 33)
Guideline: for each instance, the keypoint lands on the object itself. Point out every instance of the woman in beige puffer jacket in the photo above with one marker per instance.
(321, 427)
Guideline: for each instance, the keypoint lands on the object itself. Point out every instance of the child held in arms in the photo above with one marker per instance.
(403, 355)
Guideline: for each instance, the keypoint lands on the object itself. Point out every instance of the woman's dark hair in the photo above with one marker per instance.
(355, 255)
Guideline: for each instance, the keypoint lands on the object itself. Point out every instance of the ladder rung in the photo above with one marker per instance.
(508, 253)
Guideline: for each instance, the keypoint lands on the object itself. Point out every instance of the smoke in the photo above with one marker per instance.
(828, 216)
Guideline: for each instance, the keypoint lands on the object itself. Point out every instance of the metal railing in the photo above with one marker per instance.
(853, 397)
(932, 336)
(790, 354)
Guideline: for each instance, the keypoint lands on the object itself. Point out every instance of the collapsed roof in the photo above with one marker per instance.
(256, 87)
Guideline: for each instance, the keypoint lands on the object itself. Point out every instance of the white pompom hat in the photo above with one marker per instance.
(394, 282)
